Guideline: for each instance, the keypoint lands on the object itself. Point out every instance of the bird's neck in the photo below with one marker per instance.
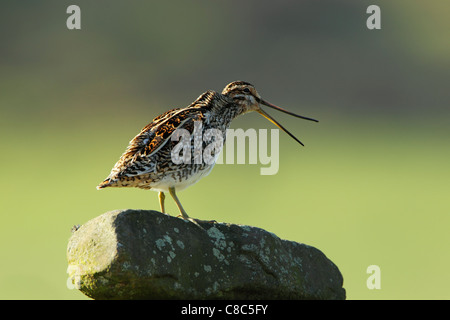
(225, 107)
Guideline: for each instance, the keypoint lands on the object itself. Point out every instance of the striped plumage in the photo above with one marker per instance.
(147, 162)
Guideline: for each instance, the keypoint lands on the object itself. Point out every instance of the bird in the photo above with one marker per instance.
(147, 162)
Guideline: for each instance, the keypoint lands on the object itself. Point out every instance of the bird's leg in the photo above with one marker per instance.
(161, 198)
(184, 215)
(180, 207)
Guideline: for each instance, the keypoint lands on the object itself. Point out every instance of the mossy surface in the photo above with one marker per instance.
(137, 254)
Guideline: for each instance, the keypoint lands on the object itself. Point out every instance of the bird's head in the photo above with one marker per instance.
(244, 95)
(248, 99)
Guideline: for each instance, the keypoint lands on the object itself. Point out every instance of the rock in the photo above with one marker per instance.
(140, 254)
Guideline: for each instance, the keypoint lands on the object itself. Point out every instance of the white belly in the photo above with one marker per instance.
(167, 182)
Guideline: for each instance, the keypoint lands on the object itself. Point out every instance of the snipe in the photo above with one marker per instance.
(147, 162)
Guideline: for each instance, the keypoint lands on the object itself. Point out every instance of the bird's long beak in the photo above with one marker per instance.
(268, 117)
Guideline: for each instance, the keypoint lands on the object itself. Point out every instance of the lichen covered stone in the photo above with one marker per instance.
(140, 254)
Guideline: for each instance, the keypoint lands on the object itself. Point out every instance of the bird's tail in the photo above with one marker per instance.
(106, 183)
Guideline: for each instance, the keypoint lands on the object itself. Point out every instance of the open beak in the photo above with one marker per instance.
(268, 117)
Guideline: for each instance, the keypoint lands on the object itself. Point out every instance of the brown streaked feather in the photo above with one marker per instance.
(163, 126)
(154, 136)
(160, 118)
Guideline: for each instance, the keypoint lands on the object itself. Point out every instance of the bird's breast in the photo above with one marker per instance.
(182, 178)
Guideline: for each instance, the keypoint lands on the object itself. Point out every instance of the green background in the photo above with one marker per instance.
(371, 186)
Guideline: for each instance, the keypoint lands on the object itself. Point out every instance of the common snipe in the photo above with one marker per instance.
(147, 162)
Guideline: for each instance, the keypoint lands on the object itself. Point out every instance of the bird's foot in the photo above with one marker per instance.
(196, 220)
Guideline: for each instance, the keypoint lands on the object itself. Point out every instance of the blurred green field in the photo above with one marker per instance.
(362, 191)
(371, 187)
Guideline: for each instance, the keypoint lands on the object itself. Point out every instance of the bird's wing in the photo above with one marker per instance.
(136, 160)
(154, 135)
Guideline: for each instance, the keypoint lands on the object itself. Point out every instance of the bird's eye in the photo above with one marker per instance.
(247, 90)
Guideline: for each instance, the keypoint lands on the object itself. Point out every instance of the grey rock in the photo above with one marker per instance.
(141, 254)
